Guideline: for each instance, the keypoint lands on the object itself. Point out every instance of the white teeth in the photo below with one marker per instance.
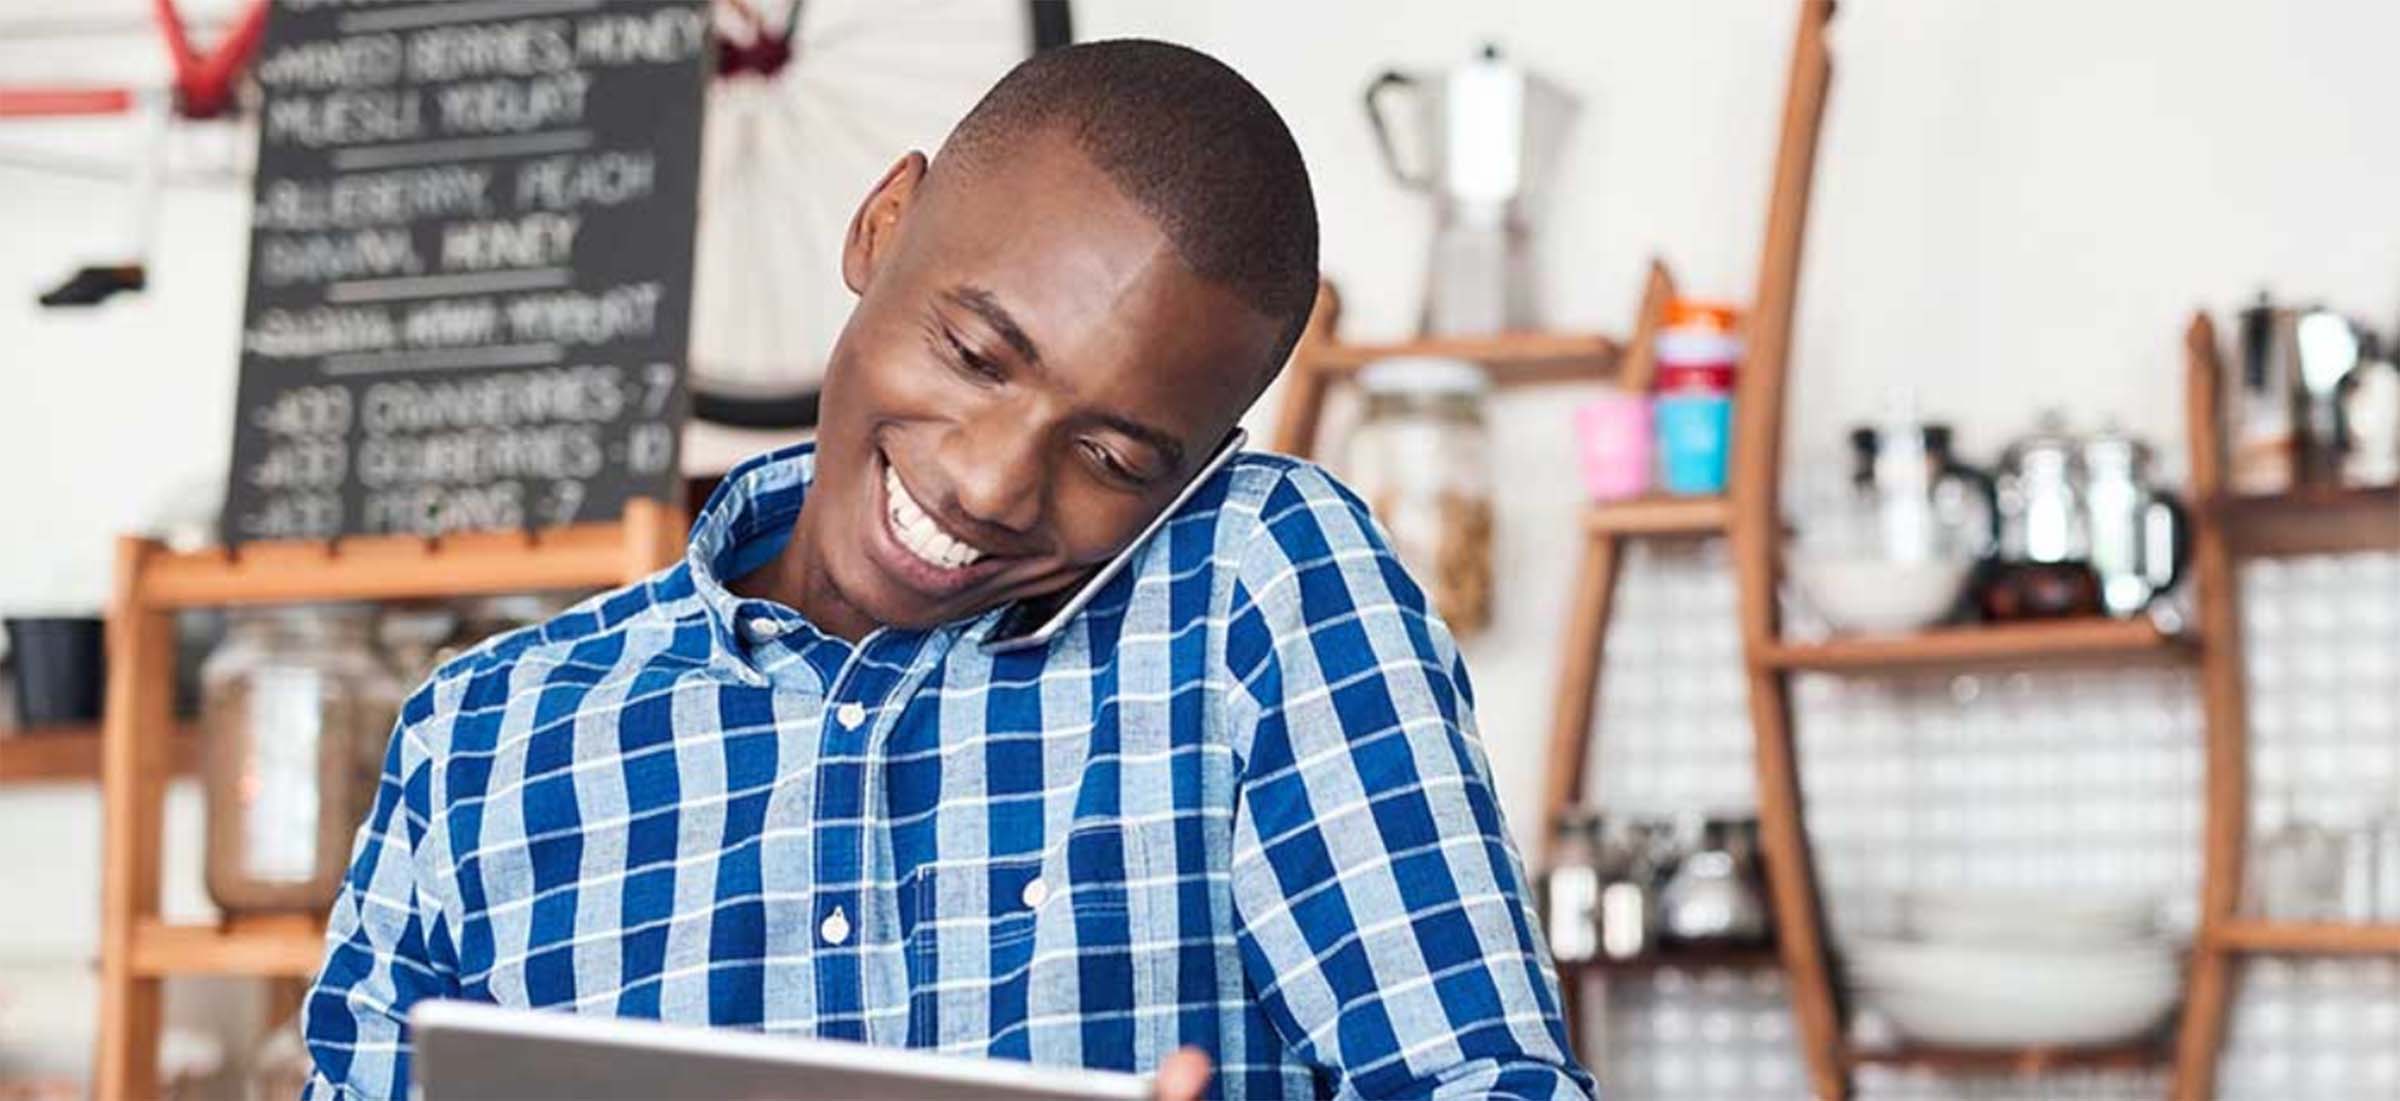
(917, 532)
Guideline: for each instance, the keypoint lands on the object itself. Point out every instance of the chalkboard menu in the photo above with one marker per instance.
(470, 264)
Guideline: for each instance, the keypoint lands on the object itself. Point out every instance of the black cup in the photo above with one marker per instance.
(61, 669)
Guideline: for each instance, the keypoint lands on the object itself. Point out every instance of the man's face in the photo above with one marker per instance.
(1030, 376)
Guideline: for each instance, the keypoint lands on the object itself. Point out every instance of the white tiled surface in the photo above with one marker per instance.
(2048, 779)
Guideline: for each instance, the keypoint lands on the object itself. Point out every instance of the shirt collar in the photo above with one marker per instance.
(747, 520)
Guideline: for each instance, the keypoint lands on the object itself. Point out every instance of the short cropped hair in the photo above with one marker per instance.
(1191, 143)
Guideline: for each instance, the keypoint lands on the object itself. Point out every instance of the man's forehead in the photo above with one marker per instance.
(1041, 212)
(1086, 274)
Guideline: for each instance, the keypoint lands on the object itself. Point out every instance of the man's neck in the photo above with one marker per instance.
(797, 580)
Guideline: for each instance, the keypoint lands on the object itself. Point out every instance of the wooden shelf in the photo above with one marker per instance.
(279, 946)
(393, 567)
(2296, 937)
(1739, 958)
(1661, 516)
(2090, 640)
(2313, 522)
(2139, 1055)
(71, 754)
(1511, 358)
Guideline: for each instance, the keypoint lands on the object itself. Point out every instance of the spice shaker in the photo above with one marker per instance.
(1571, 887)
(1629, 899)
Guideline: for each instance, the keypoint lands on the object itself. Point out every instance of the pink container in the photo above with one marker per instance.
(1612, 446)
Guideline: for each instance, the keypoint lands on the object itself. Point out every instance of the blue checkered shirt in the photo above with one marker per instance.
(1238, 803)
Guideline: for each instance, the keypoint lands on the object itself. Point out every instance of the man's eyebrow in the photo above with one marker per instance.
(1164, 442)
(984, 304)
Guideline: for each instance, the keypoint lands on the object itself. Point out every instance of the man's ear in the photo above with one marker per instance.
(876, 226)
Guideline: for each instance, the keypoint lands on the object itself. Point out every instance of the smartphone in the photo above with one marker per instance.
(1029, 623)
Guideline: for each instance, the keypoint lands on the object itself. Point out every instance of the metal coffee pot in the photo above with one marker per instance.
(1486, 134)
(2082, 527)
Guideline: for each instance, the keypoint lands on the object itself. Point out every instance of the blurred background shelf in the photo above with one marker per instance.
(392, 567)
(2017, 1062)
(280, 946)
(2310, 937)
(1539, 357)
(2085, 640)
(1661, 516)
(71, 754)
(2312, 522)
(1741, 958)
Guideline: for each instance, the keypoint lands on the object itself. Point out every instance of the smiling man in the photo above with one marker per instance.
(863, 767)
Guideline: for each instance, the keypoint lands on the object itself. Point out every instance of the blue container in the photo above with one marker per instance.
(1695, 438)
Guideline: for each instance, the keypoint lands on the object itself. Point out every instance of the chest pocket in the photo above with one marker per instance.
(1004, 949)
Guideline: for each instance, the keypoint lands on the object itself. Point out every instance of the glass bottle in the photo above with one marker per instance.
(1421, 457)
(297, 706)
(2298, 874)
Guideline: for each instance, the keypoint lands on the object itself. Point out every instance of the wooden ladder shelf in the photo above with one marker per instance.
(2228, 528)
(138, 755)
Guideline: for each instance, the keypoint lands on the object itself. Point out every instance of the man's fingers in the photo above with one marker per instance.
(1183, 1076)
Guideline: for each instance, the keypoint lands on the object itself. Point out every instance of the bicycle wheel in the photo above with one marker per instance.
(809, 107)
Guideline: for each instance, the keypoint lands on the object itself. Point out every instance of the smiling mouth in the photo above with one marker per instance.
(917, 533)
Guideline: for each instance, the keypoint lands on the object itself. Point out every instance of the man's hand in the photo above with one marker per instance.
(1183, 1076)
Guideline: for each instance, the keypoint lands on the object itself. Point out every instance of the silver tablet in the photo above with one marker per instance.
(468, 1051)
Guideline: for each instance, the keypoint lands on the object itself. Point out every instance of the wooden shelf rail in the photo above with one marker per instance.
(1731, 958)
(1661, 516)
(53, 755)
(283, 946)
(2016, 1062)
(2308, 937)
(2083, 641)
(138, 753)
(2311, 522)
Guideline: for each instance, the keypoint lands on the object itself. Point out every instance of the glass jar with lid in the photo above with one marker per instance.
(1421, 456)
(297, 706)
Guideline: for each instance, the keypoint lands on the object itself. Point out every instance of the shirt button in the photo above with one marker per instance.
(1036, 892)
(850, 715)
(836, 928)
(764, 628)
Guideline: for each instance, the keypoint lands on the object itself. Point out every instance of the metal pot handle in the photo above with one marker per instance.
(2166, 541)
(1376, 94)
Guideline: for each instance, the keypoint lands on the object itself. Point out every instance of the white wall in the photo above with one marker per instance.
(2017, 205)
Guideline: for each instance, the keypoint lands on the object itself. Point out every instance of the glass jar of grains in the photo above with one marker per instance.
(297, 706)
(1421, 457)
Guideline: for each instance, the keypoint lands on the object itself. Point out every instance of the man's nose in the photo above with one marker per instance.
(995, 463)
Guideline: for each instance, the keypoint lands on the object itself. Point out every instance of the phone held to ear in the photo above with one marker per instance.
(1030, 623)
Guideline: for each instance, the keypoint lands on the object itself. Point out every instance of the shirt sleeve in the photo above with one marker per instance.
(386, 944)
(1381, 906)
